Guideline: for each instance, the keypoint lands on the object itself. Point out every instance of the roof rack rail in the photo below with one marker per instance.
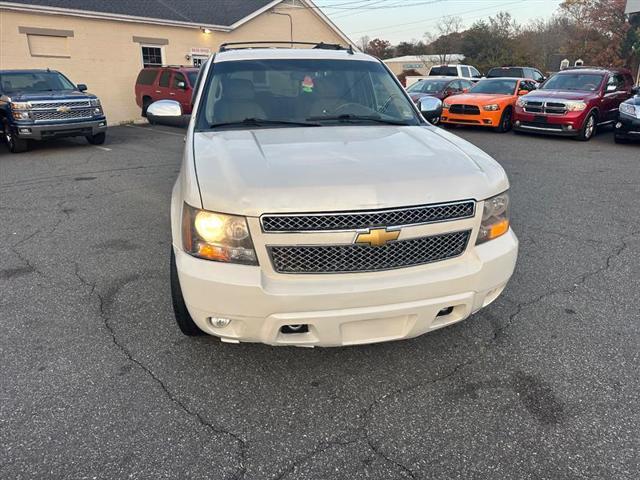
(265, 44)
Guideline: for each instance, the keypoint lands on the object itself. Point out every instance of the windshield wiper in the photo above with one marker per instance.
(261, 122)
(347, 117)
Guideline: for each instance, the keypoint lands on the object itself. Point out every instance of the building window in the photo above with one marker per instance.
(151, 56)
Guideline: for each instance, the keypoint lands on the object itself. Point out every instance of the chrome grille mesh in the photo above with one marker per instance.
(371, 219)
(70, 104)
(54, 115)
(364, 258)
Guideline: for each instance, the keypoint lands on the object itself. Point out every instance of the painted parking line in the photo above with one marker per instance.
(104, 149)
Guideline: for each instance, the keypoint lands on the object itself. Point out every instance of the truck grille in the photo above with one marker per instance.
(370, 219)
(44, 111)
(460, 109)
(54, 105)
(55, 115)
(550, 108)
(363, 258)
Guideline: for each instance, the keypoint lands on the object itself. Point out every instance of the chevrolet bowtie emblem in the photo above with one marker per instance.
(63, 109)
(378, 237)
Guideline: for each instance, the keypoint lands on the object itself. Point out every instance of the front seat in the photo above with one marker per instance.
(237, 102)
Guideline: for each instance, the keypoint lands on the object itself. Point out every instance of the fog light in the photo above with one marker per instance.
(219, 322)
(618, 125)
(517, 123)
(569, 127)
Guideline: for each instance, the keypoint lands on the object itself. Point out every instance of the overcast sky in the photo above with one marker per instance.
(398, 20)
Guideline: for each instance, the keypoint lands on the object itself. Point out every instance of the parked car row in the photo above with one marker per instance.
(574, 102)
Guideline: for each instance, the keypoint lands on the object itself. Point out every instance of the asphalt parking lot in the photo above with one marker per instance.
(98, 383)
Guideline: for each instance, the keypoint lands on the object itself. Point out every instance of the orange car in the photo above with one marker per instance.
(489, 103)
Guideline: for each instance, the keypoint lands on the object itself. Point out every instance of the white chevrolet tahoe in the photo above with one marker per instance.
(315, 206)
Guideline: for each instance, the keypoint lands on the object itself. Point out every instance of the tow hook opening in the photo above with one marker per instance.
(293, 329)
(445, 311)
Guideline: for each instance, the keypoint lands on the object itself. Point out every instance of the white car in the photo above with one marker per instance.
(316, 207)
(461, 71)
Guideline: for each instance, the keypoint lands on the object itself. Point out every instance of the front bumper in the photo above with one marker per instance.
(345, 309)
(568, 125)
(485, 119)
(43, 131)
(628, 127)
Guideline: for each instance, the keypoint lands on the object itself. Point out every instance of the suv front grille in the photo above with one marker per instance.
(370, 219)
(550, 108)
(363, 258)
(460, 109)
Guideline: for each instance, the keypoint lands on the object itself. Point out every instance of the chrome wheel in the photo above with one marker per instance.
(590, 127)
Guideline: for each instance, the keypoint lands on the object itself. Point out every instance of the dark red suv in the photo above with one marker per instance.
(574, 102)
(165, 83)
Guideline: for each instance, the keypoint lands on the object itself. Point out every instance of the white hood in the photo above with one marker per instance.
(320, 169)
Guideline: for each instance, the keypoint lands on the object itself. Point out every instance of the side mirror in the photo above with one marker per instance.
(182, 85)
(522, 92)
(431, 109)
(165, 111)
(636, 90)
(465, 90)
(82, 87)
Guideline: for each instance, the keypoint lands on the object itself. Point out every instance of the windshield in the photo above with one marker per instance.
(428, 86)
(193, 76)
(505, 72)
(587, 82)
(495, 87)
(286, 92)
(33, 82)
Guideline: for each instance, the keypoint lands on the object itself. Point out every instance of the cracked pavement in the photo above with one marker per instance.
(98, 383)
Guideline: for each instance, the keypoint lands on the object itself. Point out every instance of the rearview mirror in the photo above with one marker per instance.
(431, 109)
(165, 111)
(82, 87)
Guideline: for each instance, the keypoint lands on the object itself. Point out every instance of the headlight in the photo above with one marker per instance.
(20, 106)
(217, 237)
(95, 102)
(576, 106)
(521, 102)
(20, 110)
(494, 107)
(495, 218)
(630, 109)
(446, 105)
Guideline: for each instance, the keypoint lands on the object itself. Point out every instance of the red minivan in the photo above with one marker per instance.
(165, 83)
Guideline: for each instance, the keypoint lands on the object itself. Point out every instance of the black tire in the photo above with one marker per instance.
(146, 101)
(620, 140)
(185, 323)
(589, 129)
(97, 139)
(506, 121)
(15, 144)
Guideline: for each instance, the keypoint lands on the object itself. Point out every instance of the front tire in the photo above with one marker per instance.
(97, 139)
(620, 140)
(506, 122)
(588, 129)
(15, 144)
(185, 323)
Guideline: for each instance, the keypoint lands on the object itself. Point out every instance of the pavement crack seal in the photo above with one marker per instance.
(106, 300)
